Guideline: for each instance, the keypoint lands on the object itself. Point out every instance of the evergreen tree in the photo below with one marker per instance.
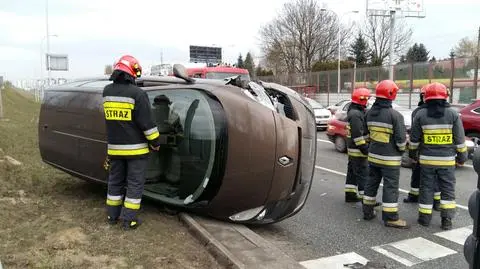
(240, 63)
(249, 64)
(360, 50)
(417, 53)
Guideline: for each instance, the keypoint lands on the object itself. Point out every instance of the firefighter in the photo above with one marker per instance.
(438, 136)
(357, 146)
(387, 136)
(415, 178)
(130, 132)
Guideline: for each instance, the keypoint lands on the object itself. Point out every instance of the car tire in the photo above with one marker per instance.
(340, 144)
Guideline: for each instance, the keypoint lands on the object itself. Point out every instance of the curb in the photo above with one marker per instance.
(218, 251)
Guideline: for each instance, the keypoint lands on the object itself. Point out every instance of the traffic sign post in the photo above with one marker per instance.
(471, 248)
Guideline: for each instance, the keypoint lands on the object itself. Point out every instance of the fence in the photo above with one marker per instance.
(409, 77)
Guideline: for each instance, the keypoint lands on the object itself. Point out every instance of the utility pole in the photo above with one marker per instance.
(392, 36)
(48, 43)
(475, 71)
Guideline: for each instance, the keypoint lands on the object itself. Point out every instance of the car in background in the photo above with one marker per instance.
(322, 115)
(470, 116)
(335, 107)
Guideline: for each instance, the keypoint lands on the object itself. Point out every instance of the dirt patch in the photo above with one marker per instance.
(51, 220)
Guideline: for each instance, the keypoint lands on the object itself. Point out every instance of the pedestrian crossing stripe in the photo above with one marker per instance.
(413, 251)
(334, 262)
(458, 236)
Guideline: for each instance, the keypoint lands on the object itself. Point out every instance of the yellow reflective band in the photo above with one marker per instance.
(369, 202)
(425, 211)
(414, 193)
(127, 152)
(380, 129)
(383, 162)
(437, 131)
(437, 162)
(436, 197)
(357, 154)
(350, 190)
(118, 105)
(360, 142)
(118, 114)
(461, 150)
(448, 206)
(114, 202)
(153, 136)
(380, 137)
(439, 139)
(131, 205)
(402, 148)
(390, 209)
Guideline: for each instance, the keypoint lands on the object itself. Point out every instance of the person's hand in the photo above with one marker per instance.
(157, 148)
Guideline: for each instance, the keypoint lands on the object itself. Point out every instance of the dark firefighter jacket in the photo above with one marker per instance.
(357, 133)
(130, 128)
(438, 140)
(387, 133)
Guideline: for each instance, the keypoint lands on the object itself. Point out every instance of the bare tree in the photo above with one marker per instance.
(466, 47)
(301, 34)
(377, 33)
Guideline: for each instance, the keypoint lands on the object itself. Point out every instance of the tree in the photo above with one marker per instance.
(417, 53)
(403, 59)
(466, 47)
(433, 59)
(331, 65)
(261, 72)
(300, 34)
(108, 69)
(377, 34)
(360, 51)
(240, 63)
(249, 64)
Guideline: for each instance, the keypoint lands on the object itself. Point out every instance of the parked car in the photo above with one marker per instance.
(470, 116)
(322, 115)
(335, 107)
(336, 130)
(228, 152)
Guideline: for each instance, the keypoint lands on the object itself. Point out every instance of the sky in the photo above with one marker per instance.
(95, 33)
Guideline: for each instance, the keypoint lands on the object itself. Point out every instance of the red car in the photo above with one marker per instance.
(470, 115)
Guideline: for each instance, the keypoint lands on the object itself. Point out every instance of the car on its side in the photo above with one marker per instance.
(228, 152)
(322, 115)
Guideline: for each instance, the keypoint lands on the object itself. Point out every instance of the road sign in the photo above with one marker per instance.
(57, 62)
(200, 54)
(406, 8)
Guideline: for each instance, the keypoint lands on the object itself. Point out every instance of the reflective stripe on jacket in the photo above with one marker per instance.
(129, 123)
(438, 140)
(357, 133)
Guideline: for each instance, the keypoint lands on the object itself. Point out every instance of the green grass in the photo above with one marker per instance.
(49, 219)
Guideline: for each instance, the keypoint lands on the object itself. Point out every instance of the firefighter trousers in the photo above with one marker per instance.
(390, 176)
(445, 179)
(414, 192)
(357, 174)
(125, 187)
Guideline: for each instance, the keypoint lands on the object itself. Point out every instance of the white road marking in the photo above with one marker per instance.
(381, 184)
(457, 235)
(468, 165)
(334, 262)
(414, 251)
(324, 141)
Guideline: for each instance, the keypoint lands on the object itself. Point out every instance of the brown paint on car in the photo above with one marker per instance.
(262, 159)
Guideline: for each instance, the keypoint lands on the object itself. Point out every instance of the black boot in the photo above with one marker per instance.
(411, 199)
(368, 212)
(351, 197)
(424, 220)
(447, 223)
(131, 225)
(436, 205)
(112, 220)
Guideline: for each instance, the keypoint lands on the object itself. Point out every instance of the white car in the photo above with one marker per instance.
(322, 114)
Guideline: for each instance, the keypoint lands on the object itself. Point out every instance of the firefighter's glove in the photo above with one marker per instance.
(364, 149)
(461, 158)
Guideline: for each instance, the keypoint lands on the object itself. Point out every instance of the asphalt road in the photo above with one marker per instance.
(328, 227)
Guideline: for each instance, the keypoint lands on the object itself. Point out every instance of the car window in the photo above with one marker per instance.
(346, 106)
(477, 110)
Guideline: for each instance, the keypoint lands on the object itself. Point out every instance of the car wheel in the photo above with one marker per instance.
(340, 144)
(475, 137)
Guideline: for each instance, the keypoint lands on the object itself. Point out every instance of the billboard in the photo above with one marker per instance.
(57, 62)
(202, 54)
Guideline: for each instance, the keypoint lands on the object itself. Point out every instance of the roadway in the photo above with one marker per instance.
(328, 232)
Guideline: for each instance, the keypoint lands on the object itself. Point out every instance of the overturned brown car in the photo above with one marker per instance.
(243, 152)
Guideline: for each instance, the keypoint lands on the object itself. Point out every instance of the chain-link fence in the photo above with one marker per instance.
(409, 77)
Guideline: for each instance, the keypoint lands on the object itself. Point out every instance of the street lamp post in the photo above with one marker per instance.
(41, 60)
(339, 44)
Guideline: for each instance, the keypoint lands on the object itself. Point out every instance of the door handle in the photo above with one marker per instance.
(45, 126)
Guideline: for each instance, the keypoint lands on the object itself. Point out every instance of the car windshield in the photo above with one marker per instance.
(223, 75)
(315, 104)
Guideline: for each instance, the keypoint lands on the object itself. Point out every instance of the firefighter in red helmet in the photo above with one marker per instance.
(130, 133)
(357, 146)
(388, 139)
(438, 136)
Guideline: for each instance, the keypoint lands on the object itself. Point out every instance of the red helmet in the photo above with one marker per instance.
(360, 96)
(436, 91)
(129, 65)
(386, 89)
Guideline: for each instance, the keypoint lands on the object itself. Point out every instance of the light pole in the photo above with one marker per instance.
(339, 44)
(41, 61)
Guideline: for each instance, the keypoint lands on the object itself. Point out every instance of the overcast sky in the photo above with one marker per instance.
(94, 33)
